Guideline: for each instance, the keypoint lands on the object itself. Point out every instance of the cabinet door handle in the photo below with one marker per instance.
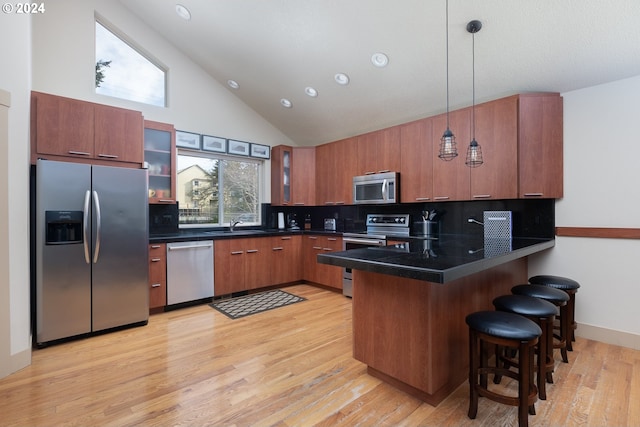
(79, 153)
(237, 252)
(252, 251)
(279, 248)
(340, 203)
(166, 200)
(155, 259)
(332, 239)
(155, 246)
(285, 238)
(319, 248)
(384, 171)
(441, 198)
(108, 156)
(482, 196)
(419, 199)
(313, 238)
(533, 194)
(156, 285)
(327, 249)
(299, 204)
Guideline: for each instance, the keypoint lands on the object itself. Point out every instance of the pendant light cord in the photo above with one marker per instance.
(447, 39)
(473, 84)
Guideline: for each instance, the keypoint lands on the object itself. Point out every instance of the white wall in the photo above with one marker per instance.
(15, 80)
(601, 176)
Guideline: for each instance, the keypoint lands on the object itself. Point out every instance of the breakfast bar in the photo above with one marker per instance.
(410, 300)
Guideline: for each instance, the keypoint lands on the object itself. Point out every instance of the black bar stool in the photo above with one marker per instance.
(508, 330)
(570, 286)
(543, 313)
(558, 298)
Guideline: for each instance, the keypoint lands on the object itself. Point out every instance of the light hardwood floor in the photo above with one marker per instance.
(287, 367)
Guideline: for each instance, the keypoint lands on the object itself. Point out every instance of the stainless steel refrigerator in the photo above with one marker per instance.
(91, 249)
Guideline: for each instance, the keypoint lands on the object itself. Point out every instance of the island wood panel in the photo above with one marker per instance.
(412, 334)
(601, 232)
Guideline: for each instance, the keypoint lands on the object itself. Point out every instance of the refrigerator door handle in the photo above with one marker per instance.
(85, 227)
(96, 203)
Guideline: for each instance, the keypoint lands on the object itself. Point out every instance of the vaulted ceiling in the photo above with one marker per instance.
(274, 49)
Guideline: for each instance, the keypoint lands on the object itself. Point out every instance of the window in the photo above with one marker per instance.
(123, 72)
(214, 189)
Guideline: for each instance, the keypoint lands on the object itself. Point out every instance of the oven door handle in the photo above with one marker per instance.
(360, 241)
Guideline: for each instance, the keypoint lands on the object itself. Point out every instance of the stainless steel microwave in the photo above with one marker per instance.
(378, 188)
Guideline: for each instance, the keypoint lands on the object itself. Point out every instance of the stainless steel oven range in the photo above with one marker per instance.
(379, 228)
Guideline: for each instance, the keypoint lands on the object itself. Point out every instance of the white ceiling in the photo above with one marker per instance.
(275, 48)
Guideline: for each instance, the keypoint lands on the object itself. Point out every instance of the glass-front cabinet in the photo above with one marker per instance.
(281, 163)
(160, 157)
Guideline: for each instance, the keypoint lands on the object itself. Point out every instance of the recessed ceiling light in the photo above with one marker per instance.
(286, 103)
(379, 59)
(311, 91)
(233, 84)
(183, 12)
(341, 79)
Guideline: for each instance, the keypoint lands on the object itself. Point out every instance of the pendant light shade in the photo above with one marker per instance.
(474, 152)
(448, 147)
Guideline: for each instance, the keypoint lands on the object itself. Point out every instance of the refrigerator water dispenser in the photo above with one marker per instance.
(63, 227)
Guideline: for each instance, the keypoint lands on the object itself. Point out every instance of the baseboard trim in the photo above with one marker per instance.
(609, 336)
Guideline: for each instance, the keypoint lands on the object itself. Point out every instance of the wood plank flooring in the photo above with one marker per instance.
(291, 366)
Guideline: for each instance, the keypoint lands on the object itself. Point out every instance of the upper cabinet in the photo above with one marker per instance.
(416, 162)
(160, 156)
(69, 129)
(336, 165)
(293, 176)
(496, 130)
(540, 141)
(378, 151)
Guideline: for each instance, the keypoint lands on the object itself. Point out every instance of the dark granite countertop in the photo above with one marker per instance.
(185, 235)
(441, 260)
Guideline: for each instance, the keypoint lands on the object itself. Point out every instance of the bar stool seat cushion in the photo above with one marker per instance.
(556, 296)
(504, 325)
(525, 305)
(557, 282)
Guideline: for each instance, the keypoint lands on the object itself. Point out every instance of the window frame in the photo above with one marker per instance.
(99, 20)
(225, 157)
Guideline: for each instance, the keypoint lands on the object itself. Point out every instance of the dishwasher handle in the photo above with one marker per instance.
(176, 248)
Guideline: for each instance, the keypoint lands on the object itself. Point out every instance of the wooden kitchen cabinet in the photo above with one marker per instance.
(157, 276)
(451, 178)
(336, 165)
(241, 264)
(379, 151)
(67, 129)
(281, 165)
(293, 176)
(160, 155)
(323, 274)
(497, 134)
(416, 161)
(540, 146)
(286, 259)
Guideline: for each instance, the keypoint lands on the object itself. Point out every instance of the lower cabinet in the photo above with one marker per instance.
(157, 275)
(241, 264)
(286, 262)
(323, 274)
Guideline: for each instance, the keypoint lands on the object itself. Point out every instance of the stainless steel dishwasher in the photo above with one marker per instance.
(189, 271)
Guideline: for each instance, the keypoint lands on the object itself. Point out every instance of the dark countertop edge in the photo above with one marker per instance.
(432, 275)
(189, 235)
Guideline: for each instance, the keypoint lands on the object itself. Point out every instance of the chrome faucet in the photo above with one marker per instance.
(233, 223)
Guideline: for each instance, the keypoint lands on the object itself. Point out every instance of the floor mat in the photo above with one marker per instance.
(235, 308)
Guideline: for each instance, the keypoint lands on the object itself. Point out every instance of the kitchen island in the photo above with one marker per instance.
(410, 301)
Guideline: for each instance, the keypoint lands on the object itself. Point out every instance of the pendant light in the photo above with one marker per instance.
(448, 148)
(474, 152)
